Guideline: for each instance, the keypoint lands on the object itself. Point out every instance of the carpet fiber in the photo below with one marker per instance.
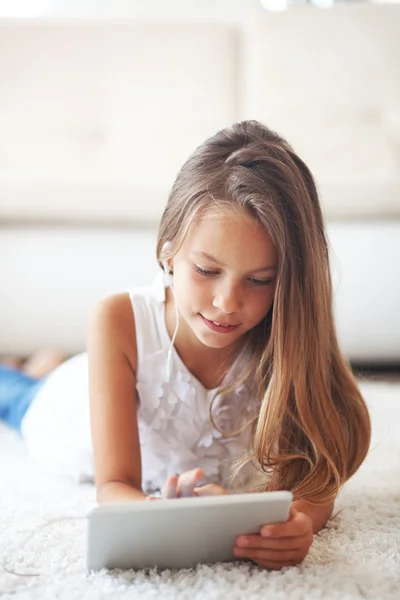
(356, 556)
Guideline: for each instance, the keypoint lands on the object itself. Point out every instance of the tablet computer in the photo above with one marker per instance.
(180, 532)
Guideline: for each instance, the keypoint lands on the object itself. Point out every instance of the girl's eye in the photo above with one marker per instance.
(205, 272)
(210, 273)
(262, 281)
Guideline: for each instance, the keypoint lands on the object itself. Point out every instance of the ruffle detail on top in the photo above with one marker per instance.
(176, 433)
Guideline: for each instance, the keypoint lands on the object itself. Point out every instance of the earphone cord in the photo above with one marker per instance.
(171, 347)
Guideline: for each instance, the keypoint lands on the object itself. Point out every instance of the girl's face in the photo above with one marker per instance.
(224, 278)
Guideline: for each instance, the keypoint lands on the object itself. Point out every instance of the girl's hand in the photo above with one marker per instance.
(185, 485)
(180, 486)
(278, 545)
(210, 489)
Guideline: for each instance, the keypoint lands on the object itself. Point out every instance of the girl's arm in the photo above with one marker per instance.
(319, 514)
(112, 355)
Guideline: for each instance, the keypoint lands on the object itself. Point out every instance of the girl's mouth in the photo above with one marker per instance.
(219, 327)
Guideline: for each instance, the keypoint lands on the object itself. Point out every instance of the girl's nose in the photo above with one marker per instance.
(227, 298)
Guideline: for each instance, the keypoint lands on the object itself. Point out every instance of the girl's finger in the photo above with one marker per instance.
(280, 556)
(170, 488)
(210, 489)
(187, 482)
(276, 544)
(272, 565)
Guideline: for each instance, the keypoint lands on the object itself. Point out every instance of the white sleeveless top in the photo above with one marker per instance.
(175, 430)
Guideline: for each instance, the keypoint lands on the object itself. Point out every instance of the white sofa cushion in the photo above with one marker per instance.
(329, 81)
(95, 115)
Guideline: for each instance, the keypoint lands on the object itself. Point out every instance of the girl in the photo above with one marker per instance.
(229, 365)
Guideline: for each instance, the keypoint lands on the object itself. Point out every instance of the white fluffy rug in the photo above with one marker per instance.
(356, 556)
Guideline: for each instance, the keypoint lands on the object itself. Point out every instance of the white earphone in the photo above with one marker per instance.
(171, 284)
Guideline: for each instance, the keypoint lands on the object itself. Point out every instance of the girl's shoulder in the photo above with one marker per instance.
(112, 323)
(134, 320)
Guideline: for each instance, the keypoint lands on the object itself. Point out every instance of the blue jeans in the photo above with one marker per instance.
(17, 391)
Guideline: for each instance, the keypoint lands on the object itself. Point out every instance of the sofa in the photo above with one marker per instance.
(96, 118)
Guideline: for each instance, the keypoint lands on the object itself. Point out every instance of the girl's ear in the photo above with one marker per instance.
(165, 263)
(168, 268)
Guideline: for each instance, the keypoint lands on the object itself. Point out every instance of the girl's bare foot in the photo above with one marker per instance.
(43, 361)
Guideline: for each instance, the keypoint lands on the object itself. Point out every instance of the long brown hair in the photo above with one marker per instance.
(311, 428)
